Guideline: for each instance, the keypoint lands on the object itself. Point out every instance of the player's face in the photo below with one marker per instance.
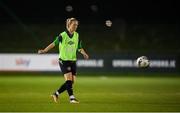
(73, 26)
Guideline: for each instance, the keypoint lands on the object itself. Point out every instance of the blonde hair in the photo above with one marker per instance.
(69, 21)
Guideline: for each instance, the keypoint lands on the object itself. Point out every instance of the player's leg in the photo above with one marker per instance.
(69, 81)
(56, 94)
(62, 88)
(73, 67)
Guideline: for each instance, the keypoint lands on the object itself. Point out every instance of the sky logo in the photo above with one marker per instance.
(21, 61)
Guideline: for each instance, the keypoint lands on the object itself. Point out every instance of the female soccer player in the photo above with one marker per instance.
(69, 43)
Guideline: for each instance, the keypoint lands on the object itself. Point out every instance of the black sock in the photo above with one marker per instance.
(62, 88)
(69, 87)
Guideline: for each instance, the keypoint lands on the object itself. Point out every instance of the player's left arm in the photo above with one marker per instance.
(82, 51)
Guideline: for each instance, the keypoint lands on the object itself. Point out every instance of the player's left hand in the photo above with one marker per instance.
(86, 56)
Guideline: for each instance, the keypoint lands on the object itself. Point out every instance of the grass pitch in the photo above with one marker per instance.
(101, 93)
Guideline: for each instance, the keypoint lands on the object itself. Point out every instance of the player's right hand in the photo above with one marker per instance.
(41, 51)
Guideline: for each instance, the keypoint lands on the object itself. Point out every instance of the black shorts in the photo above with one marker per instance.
(67, 66)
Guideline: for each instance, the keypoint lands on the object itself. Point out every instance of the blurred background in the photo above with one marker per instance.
(114, 34)
(109, 29)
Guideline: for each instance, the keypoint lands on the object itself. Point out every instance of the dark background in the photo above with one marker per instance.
(148, 11)
(138, 26)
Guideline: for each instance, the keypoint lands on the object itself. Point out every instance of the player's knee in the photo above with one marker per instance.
(68, 76)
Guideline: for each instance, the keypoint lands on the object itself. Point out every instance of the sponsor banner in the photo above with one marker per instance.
(153, 63)
(28, 62)
(116, 63)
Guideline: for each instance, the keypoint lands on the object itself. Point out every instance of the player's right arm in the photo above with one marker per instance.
(50, 46)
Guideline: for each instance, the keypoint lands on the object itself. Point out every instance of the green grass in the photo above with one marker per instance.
(96, 93)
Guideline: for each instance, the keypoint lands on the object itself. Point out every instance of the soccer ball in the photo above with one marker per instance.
(142, 62)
